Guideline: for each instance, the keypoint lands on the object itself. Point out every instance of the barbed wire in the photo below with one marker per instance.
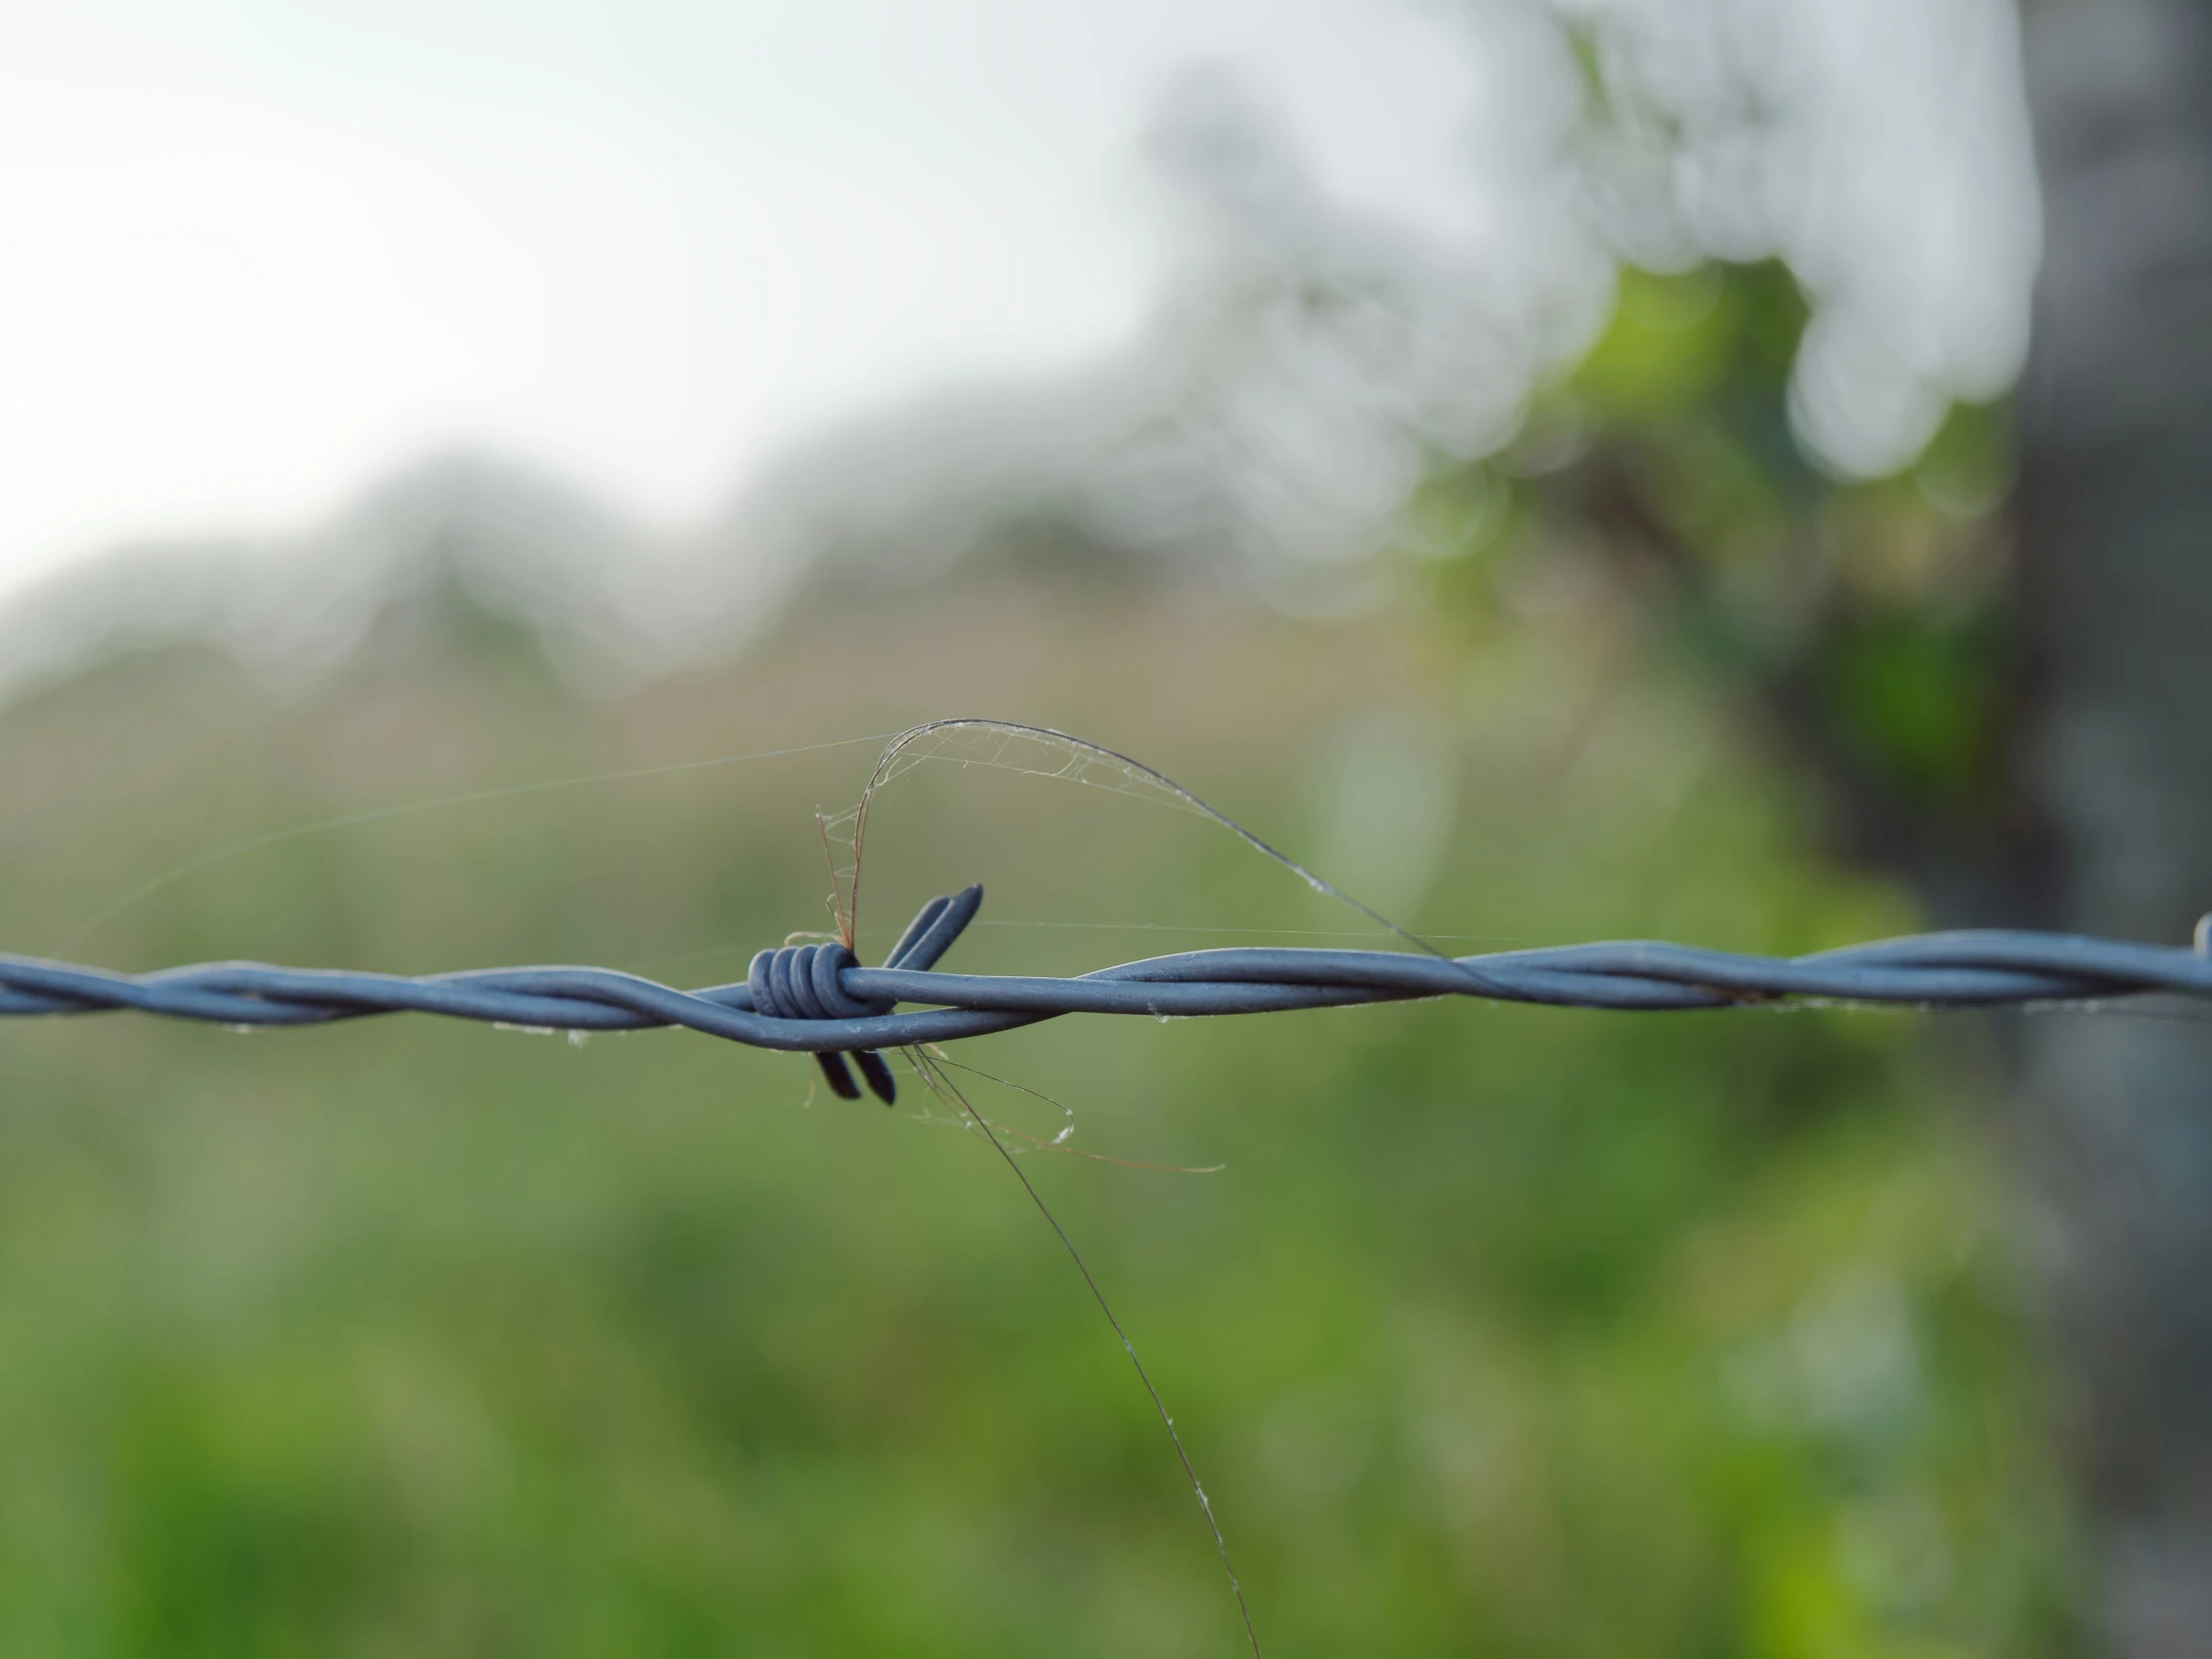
(817, 999)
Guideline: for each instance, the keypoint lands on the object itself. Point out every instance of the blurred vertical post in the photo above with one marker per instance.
(2115, 524)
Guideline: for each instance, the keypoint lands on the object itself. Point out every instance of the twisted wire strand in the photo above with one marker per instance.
(818, 1000)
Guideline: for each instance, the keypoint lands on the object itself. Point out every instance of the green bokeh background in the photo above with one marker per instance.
(1503, 1330)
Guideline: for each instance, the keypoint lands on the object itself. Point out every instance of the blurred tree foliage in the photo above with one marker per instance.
(1866, 628)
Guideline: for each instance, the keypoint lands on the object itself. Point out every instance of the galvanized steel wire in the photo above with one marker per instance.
(817, 999)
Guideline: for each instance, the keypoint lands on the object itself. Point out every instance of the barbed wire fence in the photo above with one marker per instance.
(819, 999)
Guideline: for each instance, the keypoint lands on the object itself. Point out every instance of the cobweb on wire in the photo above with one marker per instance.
(931, 1062)
(948, 1091)
(1037, 752)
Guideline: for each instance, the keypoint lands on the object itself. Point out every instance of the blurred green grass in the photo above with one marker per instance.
(1505, 1330)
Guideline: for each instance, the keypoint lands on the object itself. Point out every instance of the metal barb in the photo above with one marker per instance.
(805, 981)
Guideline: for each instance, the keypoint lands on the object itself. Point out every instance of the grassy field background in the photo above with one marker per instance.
(1504, 1330)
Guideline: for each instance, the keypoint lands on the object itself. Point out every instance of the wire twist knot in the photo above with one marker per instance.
(806, 981)
(802, 981)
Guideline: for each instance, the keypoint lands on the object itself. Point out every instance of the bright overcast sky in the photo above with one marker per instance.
(253, 253)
